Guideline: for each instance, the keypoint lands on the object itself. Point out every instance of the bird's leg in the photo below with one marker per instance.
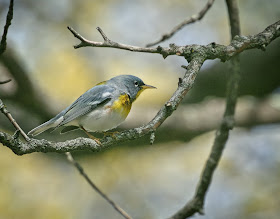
(90, 136)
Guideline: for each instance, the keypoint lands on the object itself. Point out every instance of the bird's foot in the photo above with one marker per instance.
(97, 140)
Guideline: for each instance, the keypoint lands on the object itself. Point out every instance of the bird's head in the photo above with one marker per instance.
(132, 85)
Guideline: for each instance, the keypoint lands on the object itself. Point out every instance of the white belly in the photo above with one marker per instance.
(101, 120)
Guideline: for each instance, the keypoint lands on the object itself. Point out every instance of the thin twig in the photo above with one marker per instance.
(197, 203)
(9, 18)
(4, 110)
(233, 14)
(82, 172)
(106, 39)
(6, 81)
(190, 20)
(107, 43)
(3, 45)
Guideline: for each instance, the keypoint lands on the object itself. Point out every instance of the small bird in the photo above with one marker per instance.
(101, 108)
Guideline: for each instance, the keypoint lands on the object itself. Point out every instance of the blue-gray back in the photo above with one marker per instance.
(86, 103)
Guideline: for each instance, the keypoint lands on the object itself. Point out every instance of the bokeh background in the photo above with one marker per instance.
(147, 181)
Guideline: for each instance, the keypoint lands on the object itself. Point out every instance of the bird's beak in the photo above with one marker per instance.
(145, 86)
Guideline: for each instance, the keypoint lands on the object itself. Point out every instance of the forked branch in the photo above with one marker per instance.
(34, 145)
(196, 54)
(210, 51)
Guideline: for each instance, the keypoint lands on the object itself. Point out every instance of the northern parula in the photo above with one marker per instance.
(101, 108)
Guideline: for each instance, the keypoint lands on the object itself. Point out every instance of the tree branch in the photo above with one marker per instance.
(4, 110)
(205, 116)
(233, 14)
(190, 20)
(197, 202)
(210, 51)
(9, 18)
(197, 55)
(34, 145)
(15, 139)
(107, 43)
(90, 182)
(19, 73)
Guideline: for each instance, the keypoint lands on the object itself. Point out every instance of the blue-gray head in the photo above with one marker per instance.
(130, 84)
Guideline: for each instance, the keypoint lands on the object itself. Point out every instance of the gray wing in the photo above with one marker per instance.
(96, 96)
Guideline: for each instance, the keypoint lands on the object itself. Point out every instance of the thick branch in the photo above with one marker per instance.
(210, 51)
(197, 203)
(192, 19)
(34, 145)
(206, 115)
(9, 18)
(4, 110)
(198, 56)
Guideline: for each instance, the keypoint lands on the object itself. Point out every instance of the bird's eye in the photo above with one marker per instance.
(136, 83)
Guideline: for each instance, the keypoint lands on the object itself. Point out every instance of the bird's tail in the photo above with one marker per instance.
(43, 127)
